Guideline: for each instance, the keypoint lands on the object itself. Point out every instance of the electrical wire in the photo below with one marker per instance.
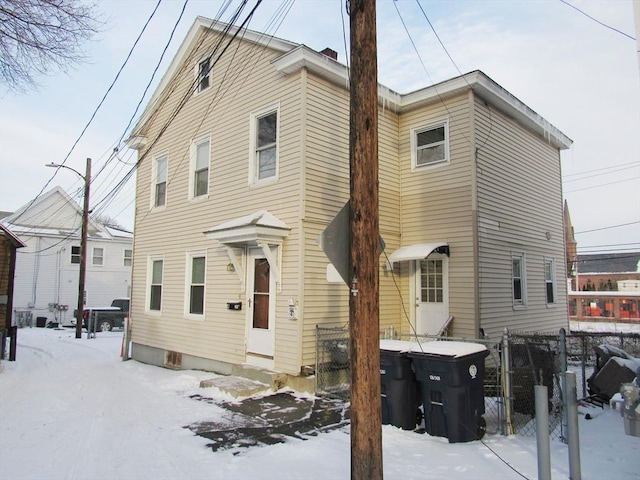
(602, 185)
(598, 21)
(634, 164)
(607, 228)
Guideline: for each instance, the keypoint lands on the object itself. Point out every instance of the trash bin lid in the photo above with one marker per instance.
(448, 349)
(401, 346)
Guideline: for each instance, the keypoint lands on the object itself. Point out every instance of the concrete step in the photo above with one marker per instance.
(237, 387)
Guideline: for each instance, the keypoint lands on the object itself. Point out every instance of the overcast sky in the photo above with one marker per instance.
(578, 74)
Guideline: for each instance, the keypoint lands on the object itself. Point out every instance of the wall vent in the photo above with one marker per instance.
(173, 360)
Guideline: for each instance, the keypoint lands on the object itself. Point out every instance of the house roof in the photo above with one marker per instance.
(297, 56)
(54, 213)
(628, 262)
(5, 232)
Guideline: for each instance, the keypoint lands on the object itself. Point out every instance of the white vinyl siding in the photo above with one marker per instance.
(264, 145)
(200, 160)
(221, 333)
(519, 209)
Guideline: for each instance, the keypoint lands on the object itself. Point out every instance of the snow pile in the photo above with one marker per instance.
(71, 409)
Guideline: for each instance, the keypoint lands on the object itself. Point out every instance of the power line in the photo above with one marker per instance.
(602, 185)
(599, 174)
(96, 109)
(607, 228)
(637, 164)
(598, 21)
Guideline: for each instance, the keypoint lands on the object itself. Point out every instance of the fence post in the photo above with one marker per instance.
(563, 383)
(542, 432)
(584, 365)
(572, 424)
(317, 372)
(505, 372)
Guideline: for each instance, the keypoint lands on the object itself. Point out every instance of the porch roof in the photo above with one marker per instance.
(259, 227)
(418, 251)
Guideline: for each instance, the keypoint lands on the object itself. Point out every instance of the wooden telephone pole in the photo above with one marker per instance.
(366, 429)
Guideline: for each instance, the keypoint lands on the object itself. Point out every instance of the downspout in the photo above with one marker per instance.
(36, 269)
(302, 215)
(474, 213)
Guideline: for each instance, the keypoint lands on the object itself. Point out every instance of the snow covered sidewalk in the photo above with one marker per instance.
(71, 409)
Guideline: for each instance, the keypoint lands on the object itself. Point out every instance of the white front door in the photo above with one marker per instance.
(261, 310)
(432, 294)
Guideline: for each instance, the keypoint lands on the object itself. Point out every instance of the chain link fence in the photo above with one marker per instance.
(333, 373)
(534, 359)
(509, 386)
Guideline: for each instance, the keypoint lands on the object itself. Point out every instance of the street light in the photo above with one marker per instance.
(83, 241)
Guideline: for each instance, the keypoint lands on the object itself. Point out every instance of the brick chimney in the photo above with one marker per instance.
(330, 53)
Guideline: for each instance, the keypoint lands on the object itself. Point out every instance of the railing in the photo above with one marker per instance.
(618, 307)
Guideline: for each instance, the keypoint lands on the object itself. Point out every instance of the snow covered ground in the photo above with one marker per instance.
(71, 409)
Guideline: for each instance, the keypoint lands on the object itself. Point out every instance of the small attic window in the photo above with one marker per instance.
(204, 74)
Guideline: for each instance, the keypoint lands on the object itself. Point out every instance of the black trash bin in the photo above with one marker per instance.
(398, 387)
(451, 380)
(41, 322)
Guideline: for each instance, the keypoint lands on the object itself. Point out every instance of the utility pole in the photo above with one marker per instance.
(366, 417)
(83, 250)
(83, 240)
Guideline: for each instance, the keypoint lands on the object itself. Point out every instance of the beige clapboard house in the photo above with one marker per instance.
(244, 162)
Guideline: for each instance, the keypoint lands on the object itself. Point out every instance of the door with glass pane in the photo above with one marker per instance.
(432, 294)
(261, 310)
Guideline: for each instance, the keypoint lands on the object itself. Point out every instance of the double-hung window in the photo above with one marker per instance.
(75, 254)
(127, 257)
(519, 284)
(204, 74)
(200, 155)
(264, 145)
(196, 273)
(160, 181)
(155, 284)
(98, 256)
(550, 280)
(430, 145)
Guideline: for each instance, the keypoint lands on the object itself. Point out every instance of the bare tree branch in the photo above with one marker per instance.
(38, 36)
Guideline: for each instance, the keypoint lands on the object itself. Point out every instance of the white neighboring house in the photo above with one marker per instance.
(47, 269)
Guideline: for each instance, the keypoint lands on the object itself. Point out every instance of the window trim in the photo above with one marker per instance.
(414, 146)
(150, 261)
(519, 303)
(93, 257)
(199, 78)
(554, 286)
(154, 181)
(192, 167)
(254, 116)
(125, 257)
(190, 256)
